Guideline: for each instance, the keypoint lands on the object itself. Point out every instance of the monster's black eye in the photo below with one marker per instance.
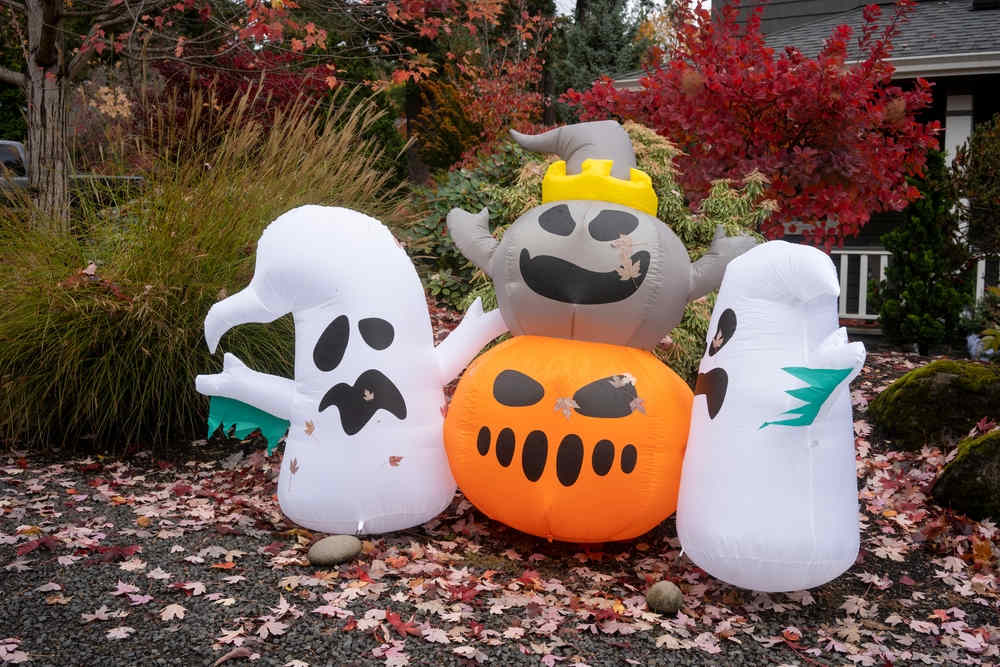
(609, 225)
(725, 331)
(332, 344)
(516, 390)
(376, 332)
(557, 220)
(609, 397)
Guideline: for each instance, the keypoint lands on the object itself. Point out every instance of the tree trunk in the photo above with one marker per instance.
(48, 154)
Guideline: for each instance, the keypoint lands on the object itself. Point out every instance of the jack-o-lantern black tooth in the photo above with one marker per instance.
(629, 456)
(483, 441)
(603, 457)
(569, 459)
(534, 454)
(505, 447)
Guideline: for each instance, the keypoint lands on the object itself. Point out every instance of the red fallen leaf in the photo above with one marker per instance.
(476, 628)
(89, 467)
(906, 580)
(407, 628)
(791, 634)
(394, 461)
(350, 625)
(224, 566)
(601, 614)
(164, 465)
(462, 593)
(358, 572)
(48, 542)
(180, 489)
(115, 553)
(22, 463)
(529, 577)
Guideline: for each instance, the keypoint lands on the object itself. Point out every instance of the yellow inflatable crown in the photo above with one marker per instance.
(596, 182)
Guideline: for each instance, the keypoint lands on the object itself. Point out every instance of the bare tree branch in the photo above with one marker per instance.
(12, 77)
(12, 4)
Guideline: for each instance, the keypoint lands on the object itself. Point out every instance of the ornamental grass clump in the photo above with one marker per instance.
(101, 331)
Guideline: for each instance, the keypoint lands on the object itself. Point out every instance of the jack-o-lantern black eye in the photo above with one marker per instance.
(607, 398)
(516, 390)
(609, 225)
(725, 331)
(332, 344)
(557, 220)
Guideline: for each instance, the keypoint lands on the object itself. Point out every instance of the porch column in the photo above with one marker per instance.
(957, 124)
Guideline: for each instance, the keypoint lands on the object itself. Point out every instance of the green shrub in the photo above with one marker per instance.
(105, 359)
(510, 183)
(928, 283)
(978, 181)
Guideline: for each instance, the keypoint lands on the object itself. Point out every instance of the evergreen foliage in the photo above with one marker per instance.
(602, 42)
(977, 177)
(928, 284)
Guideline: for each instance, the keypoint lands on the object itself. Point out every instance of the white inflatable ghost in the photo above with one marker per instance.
(768, 497)
(364, 452)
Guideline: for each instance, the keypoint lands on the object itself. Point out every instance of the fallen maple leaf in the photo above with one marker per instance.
(368, 395)
(121, 632)
(629, 270)
(122, 588)
(566, 406)
(228, 565)
(394, 461)
(407, 628)
(172, 611)
(271, 627)
(310, 427)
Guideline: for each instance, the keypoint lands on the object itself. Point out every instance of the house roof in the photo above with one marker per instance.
(940, 38)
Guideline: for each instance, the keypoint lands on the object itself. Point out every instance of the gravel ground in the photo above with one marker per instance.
(144, 562)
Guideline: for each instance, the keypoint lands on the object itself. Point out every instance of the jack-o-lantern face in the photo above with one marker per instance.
(591, 270)
(569, 440)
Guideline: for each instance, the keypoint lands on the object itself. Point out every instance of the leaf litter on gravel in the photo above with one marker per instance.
(195, 563)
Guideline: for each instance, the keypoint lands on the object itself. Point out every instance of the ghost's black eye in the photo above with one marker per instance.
(609, 225)
(376, 332)
(332, 344)
(608, 398)
(516, 390)
(557, 220)
(725, 331)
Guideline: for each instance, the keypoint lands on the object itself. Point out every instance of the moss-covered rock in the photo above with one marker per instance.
(940, 400)
(971, 482)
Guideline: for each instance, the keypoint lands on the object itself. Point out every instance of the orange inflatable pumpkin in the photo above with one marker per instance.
(569, 440)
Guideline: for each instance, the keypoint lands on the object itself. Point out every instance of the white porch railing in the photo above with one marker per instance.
(871, 265)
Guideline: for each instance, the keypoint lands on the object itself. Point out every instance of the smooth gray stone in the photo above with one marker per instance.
(334, 549)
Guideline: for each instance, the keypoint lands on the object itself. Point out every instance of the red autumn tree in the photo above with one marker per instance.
(835, 138)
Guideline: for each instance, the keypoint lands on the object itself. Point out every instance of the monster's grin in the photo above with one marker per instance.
(564, 281)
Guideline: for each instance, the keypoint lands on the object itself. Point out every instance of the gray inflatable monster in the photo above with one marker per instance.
(592, 262)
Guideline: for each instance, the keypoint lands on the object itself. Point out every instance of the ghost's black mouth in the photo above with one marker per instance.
(713, 385)
(358, 403)
(564, 281)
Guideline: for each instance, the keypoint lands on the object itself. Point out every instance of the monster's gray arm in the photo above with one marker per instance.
(707, 272)
(605, 139)
(471, 233)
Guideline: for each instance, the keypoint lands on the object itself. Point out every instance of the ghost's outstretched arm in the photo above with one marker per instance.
(470, 336)
(269, 393)
(835, 352)
(707, 272)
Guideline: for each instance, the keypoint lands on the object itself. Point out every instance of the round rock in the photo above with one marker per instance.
(664, 597)
(334, 549)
